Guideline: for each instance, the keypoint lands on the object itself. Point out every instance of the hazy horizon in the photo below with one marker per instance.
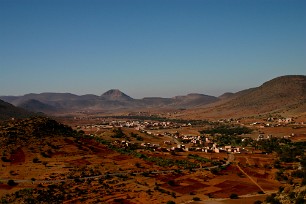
(127, 92)
(149, 48)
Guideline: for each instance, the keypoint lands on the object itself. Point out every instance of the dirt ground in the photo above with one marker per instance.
(74, 158)
(68, 159)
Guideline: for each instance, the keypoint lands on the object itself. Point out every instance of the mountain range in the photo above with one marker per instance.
(109, 101)
(281, 93)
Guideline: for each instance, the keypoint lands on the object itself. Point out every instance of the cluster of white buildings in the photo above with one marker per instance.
(137, 125)
(276, 122)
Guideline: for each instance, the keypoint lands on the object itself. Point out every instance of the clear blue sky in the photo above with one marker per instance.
(148, 47)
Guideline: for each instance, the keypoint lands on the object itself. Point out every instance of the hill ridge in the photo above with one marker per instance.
(279, 95)
(276, 94)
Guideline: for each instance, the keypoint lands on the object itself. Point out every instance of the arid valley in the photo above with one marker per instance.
(245, 147)
(152, 102)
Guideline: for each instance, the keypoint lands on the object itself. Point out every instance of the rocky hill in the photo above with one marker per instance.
(36, 106)
(116, 95)
(281, 91)
(226, 95)
(279, 95)
(8, 111)
(33, 127)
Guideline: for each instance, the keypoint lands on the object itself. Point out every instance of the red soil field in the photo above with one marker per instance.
(79, 162)
(6, 187)
(166, 178)
(229, 169)
(58, 153)
(123, 202)
(69, 141)
(18, 157)
(240, 188)
(121, 157)
(96, 147)
(252, 173)
(185, 186)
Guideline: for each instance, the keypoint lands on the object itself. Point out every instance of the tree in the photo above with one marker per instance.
(300, 200)
(170, 202)
(271, 199)
(171, 183)
(4, 159)
(214, 170)
(233, 196)
(196, 198)
(118, 133)
(35, 160)
(261, 192)
(137, 164)
(11, 183)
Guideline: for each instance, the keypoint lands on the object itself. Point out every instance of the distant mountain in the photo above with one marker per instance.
(8, 111)
(193, 99)
(111, 100)
(116, 95)
(89, 97)
(37, 106)
(281, 94)
(226, 95)
(157, 101)
(9, 99)
(43, 97)
(286, 93)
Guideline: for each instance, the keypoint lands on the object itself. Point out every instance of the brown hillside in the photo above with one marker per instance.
(7, 111)
(279, 95)
(274, 94)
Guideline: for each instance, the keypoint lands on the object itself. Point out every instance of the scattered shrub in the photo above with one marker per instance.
(261, 192)
(11, 183)
(196, 198)
(233, 196)
(36, 160)
(171, 183)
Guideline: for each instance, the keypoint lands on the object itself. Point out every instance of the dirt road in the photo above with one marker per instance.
(250, 178)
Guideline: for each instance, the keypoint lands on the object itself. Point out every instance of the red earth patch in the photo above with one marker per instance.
(240, 188)
(80, 162)
(6, 187)
(185, 186)
(17, 157)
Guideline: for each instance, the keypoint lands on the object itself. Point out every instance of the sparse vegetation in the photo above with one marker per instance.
(227, 130)
(233, 196)
(108, 166)
(196, 199)
(11, 183)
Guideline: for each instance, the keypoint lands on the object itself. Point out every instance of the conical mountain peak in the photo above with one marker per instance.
(115, 94)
